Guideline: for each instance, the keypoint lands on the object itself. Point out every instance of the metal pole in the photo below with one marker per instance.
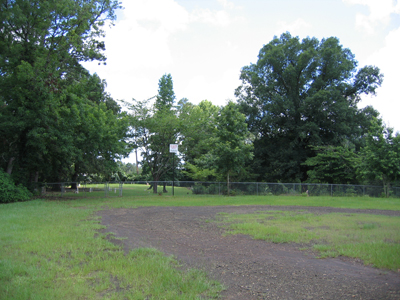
(173, 173)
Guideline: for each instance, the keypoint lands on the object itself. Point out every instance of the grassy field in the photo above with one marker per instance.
(373, 238)
(135, 195)
(52, 249)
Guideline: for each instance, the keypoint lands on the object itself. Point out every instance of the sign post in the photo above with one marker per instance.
(173, 148)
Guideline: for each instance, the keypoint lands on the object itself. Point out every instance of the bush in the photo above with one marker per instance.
(9, 192)
(213, 189)
(199, 189)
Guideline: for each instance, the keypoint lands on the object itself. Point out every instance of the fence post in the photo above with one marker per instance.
(257, 188)
(331, 190)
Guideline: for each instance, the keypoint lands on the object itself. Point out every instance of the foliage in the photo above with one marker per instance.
(201, 170)
(381, 156)
(301, 94)
(166, 95)
(197, 136)
(9, 192)
(56, 120)
(232, 148)
(336, 165)
(215, 141)
(154, 129)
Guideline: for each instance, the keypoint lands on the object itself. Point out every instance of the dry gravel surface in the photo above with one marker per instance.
(250, 269)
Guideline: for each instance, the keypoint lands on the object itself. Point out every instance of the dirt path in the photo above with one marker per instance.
(250, 269)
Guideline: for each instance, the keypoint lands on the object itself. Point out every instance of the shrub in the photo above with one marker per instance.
(199, 189)
(9, 192)
(213, 189)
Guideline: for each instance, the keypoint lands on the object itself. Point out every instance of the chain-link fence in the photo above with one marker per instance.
(80, 190)
(263, 188)
(116, 189)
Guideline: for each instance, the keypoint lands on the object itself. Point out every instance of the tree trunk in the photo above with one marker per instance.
(155, 187)
(74, 178)
(137, 166)
(164, 188)
(386, 187)
(10, 165)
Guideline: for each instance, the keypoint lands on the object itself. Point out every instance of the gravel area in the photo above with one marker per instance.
(250, 269)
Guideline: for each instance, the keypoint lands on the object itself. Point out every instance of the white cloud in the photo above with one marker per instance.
(168, 13)
(139, 47)
(201, 87)
(387, 101)
(218, 18)
(228, 5)
(379, 13)
(295, 27)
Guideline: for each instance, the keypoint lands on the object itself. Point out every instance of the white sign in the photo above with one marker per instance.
(173, 148)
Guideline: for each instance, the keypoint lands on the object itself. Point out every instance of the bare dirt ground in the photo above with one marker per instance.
(250, 269)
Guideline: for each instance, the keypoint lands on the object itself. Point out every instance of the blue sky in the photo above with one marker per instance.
(205, 43)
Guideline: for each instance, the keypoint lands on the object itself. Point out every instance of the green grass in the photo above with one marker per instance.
(135, 195)
(50, 250)
(53, 250)
(373, 238)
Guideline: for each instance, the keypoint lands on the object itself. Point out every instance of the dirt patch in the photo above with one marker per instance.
(250, 269)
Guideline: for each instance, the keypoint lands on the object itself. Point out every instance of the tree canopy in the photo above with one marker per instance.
(381, 156)
(301, 94)
(233, 147)
(296, 110)
(55, 118)
(155, 127)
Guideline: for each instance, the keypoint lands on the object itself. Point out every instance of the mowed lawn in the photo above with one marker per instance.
(52, 249)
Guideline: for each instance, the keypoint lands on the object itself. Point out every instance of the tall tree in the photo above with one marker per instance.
(301, 94)
(100, 131)
(157, 128)
(233, 147)
(166, 95)
(381, 156)
(41, 46)
(197, 137)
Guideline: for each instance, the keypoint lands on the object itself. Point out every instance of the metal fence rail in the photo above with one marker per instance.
(80, 189)
(264, 188)
(115, 189)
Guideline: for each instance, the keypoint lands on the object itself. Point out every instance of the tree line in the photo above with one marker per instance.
(295, 118)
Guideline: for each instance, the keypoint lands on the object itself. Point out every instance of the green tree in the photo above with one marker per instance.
(381, 156)
(333, 164)
(41, 46)
(166, 95)
(155, 129)
(197, 137)
(301, 94)
(233, 148)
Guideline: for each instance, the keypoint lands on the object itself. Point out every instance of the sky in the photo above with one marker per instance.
(204, 44)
